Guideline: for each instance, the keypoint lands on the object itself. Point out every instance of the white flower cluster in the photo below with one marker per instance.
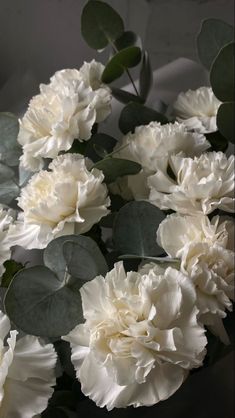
(66, 109)
(27, 373)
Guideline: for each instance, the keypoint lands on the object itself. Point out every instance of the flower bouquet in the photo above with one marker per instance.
(132, 289)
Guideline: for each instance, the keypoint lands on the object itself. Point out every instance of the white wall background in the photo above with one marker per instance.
(38, 37)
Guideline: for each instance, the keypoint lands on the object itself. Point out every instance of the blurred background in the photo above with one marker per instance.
(38, 37)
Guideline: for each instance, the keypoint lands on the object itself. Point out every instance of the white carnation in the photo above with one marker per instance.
(206, 251)
(140, 337)
(201, 185)
(66, 109)
(65, 200)
(197, 109)
(26, 373)
(5, 222)
(151, 146)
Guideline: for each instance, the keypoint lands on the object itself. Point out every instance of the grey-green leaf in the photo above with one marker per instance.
(100, 24)
(128, 38)
(225, 120)
(126, 58)
(104, 141)
(213, 35)
(222, 74)
(84, 258)
(9, 190)
(10, 150)
(117, 167)
(146, 76)
(41, 304)
(135, 114)
(125, 97)
(135, 229)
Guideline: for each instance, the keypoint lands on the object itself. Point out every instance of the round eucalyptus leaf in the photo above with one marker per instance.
(128, 38)
(135, 229)
(53, 256)
(117, 167)
(218, 142)
(39, 303)
(9, 190)
(10, 150)
(100, 24)
(222, 74)
(83, 258)
(126, 58)
(135, 114)
(146, 76)
(125, 97)
(225, 120)
(106, 142)
(213, 35)
(6, 173)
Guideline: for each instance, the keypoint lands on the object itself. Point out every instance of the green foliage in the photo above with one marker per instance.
(45, 300)
(213, 35)
(8, 186)
(146, 76)
(117, 167)
(125, 97)
(225, 120)
(217, 140)
(12, 267)
(135, 229)
(122, 60)
(135, 114)
(100, 24)
(128, 38)
(222, 74)
(99, 146)
(9, 147)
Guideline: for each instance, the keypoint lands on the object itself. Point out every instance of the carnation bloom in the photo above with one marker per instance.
(151, 146)
(5, 222)
(65, 200)
(197, 109)
(140, 337)
(26, 373)
(66, 109)
(206, 251)
(201, 184)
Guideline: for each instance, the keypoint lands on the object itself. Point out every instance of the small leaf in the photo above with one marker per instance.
(100, 24)
(146, 76)
(225, 120)
(10, 150)
(83, 258)
(105, 142)
(214, 34)
(218, 142)
(117, 167)
(39, 303)
(126, 58)
(12, 267)
(125, 97)
(135, 114)
(128, 38)
(135, 229)
(222, 74)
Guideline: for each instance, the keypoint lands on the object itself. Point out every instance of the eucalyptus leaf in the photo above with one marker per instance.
(9, 147)
(125, 97)
(128, 38)
(98, 142)
(6, 173)
(11, 268)
(225, 120)
(135, 229)
(218, 142)
(83, 258)
(222, 74)
(117, 167)
(39, 303)
(135, 114)
(213, 35)
(100, 24)
(146, 76)
(9, 190)
(122, 60)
